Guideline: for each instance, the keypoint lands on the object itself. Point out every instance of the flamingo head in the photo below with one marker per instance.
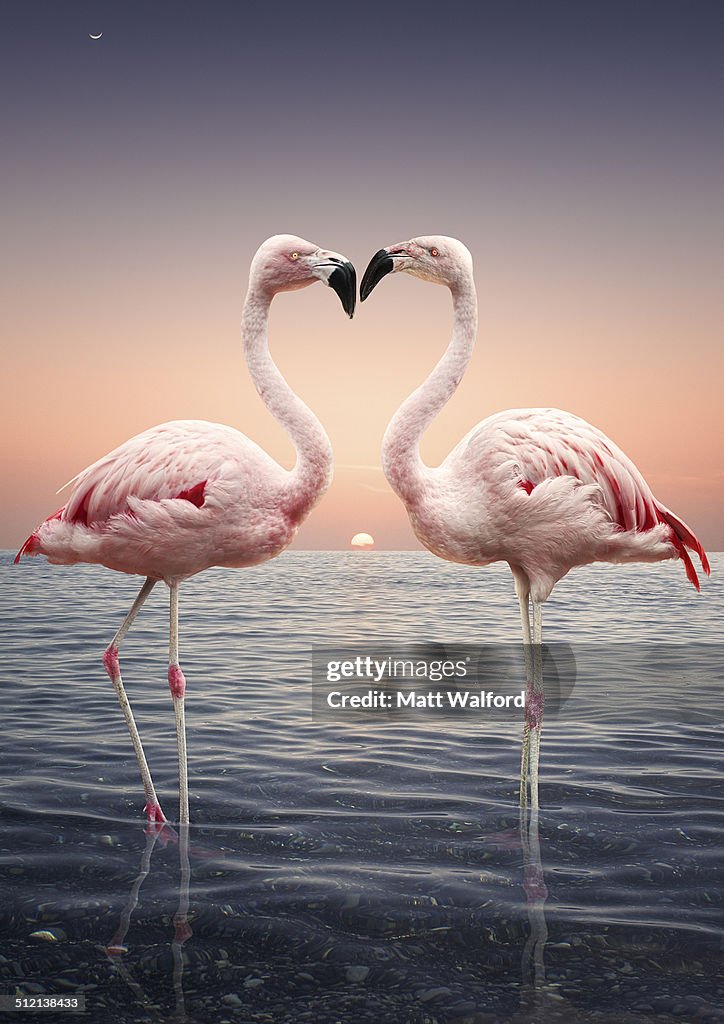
(286, 262)
(435, 258)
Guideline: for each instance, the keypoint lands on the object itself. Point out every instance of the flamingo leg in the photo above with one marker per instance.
(525, 748)
(536, 891)
(177, 685)
(112, 666)
(536, 702)
(182, 928)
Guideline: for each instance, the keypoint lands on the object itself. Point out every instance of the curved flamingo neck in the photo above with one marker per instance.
(312, 471)
(401, 459)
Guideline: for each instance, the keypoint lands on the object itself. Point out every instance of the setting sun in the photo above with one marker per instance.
(362, 540)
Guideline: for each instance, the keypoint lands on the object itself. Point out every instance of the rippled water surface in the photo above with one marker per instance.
(365, 869)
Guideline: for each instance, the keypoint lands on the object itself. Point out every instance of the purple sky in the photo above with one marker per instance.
(576, 148)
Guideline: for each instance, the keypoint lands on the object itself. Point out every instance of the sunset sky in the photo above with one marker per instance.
(577, 149)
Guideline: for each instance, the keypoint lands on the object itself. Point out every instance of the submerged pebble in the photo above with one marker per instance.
(356, 973)
(48, 935)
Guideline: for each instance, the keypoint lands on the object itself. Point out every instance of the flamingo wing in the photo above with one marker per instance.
(184, 460)
(547, 443)
(173, 461)
(162, 462)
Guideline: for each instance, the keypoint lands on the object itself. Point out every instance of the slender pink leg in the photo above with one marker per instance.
(534, 698)
(177, 685)
(154, 814)
(525, 748)
(536, 702)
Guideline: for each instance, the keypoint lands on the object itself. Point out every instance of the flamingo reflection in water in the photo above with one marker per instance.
(116, 948)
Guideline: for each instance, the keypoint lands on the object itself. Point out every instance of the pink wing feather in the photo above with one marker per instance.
(159, 463)
(549, 443)
(174, 460)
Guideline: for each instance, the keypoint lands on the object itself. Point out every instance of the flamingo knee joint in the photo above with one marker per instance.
(111, 662)
(176, 681)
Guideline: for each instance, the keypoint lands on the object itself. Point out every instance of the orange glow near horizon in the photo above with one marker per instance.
(88, 370)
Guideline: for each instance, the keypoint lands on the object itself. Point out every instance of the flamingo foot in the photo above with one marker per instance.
(166, 834)
(154, 814)
(157, 825)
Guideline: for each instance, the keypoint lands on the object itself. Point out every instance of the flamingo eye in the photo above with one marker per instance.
(434, 252)
(294, 256)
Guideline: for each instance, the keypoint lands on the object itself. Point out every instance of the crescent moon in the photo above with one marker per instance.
(91, 36)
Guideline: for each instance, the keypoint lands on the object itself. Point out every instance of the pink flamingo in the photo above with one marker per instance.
(186, 495)
(540, 489)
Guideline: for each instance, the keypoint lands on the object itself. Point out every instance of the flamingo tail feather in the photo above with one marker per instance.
(31, 545)
(682, 538)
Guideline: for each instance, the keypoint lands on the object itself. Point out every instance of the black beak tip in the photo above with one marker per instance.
(344, 282)
(378, 267)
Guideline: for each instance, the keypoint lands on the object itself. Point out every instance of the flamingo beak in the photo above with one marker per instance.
(384, 262)
(339, 274)
(343, 280)
(378, 267)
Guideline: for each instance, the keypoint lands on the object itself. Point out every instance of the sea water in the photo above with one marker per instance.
(366, 867)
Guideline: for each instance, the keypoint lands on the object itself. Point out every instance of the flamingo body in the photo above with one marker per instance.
(545, 491)
(172, 501)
